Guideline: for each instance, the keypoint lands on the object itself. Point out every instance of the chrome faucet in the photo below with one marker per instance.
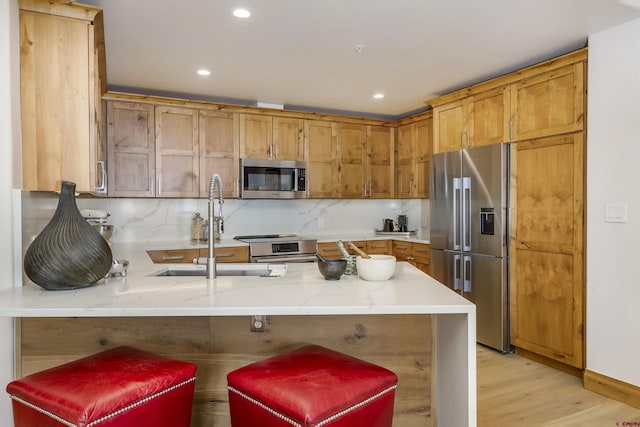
(214, 222)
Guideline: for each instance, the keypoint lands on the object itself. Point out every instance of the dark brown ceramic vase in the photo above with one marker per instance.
(68, 253)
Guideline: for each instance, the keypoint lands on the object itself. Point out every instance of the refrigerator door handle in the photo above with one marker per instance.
(456, 272)
(466, 214)
(467, 274)
(457, 191)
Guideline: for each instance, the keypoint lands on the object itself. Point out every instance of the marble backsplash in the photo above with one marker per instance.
(154, 220)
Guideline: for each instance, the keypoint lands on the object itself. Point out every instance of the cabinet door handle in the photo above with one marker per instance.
(271, 151)
(510, 130)
(173, 258)
(102, 188)
(277, 155)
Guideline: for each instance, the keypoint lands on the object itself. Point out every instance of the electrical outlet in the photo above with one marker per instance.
(258, 323)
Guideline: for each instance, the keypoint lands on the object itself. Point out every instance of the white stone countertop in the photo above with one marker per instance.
(302, 290)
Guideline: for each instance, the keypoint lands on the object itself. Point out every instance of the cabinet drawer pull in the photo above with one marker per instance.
(172, 258)
(401, 247)
(225, 255)
(329, 250)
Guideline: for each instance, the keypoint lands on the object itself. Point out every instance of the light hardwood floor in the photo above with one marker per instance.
(514, 391)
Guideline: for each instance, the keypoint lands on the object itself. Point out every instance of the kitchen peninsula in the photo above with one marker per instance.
(410, 324)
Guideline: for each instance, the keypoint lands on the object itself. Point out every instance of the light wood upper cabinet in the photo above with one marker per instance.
(256, 136)
(490, 117)
(321, 145)
(177, 165)
(547, 248)
(62, 79)
(550, 103)
(351, 160)
(450, 126)
(130, 149)
(380, 165)
(412, 165)
(219, 142)
(288, 138)
(481, 119)
(267, 137)
(366, 161)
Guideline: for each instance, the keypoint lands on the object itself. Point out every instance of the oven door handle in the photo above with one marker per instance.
(282, 258)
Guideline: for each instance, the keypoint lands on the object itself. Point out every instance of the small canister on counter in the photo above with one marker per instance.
(198, 228)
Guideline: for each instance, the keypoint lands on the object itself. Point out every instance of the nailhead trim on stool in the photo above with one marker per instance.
(311, 387)
(321, 423)
(120, 387)
(106, 417)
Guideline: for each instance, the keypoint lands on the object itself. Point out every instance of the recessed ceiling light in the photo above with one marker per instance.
(241, 13)
(204, 72)
(378, 95)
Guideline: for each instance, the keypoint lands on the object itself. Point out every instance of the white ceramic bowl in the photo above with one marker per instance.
(376, 268)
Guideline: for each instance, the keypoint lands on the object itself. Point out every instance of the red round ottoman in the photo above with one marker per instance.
(311, 386)
(122, 387)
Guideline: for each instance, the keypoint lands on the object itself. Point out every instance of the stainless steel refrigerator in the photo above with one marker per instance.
(469, 233)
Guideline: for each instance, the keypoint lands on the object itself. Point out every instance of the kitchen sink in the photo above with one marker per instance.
(230, 269)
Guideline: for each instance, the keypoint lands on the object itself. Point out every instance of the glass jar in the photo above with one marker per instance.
(197, 228)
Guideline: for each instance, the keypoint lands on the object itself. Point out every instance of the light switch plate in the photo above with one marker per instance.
(615, 212)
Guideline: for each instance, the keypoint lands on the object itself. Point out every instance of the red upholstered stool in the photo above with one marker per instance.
(311, 386)
(122, 387)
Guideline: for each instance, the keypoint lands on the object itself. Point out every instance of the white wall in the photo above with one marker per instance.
(8, 126)
(613, 165)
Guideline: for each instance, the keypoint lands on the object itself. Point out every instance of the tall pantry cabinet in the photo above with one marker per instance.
(540, 110)
(62, 79)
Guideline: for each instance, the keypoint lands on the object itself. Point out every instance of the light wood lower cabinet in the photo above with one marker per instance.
(547, 249)
(381, 247)
(177, 256)
(415, 253)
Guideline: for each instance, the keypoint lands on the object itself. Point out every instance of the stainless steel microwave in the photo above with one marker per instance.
(273, 179)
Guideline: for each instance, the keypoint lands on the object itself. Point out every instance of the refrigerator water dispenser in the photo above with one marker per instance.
(487, 216)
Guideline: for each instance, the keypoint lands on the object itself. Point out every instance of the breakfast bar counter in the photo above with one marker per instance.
(301, 291)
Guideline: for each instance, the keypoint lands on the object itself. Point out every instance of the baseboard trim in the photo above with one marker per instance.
(613, 388)
(571, 370)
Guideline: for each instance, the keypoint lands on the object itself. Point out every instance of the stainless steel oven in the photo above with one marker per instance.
(280, 248)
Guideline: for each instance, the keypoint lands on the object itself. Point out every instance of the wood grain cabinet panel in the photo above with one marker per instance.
(322, 163)
(412, 163)
(130, 149)
(381, 247)
(173, 256)
(351, 160)
(550, 103)
(229, 254)
(269, 137)
(474, 121)
(178, 256)
(219, 145)
(366, 161)
(62, 79)
(177, 165)
(547, 283)
(380, 162)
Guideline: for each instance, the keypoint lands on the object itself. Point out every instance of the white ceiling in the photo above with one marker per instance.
(302, 53)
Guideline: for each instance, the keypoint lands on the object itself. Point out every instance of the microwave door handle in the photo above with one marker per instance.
(456, 213)
(466, 214)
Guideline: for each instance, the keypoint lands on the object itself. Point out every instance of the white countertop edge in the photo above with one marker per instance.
(222, 312)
